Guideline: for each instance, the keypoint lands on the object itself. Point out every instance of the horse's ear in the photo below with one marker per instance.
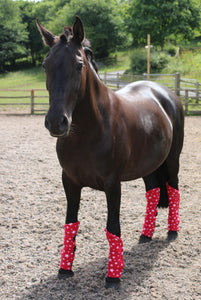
(78, 30)
(49, 38)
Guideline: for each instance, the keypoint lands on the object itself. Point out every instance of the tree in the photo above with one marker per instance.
(13, 34)
(161, 19)
(102, 20)
(29, 12)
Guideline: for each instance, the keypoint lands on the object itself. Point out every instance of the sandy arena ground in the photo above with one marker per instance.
(33, 209)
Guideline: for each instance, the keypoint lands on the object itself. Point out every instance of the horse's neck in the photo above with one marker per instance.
(95, 99)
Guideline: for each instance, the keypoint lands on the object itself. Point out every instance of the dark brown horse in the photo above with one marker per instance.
(105, 137)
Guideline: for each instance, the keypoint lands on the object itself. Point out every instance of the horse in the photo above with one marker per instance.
(105, 138)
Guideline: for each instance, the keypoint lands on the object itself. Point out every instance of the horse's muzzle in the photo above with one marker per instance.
(58, 127)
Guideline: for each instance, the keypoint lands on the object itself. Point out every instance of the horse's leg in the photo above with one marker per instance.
(152, 185)
(115, 261)
(173, 197)
(71, 227)
(172, 185)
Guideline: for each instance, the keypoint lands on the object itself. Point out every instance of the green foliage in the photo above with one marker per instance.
(171, 50)
(161, 19)
(138, 61)
(110, 25)
(187, 63)
(33, 43)
(13, 33)
(158, 61)
(102, 20)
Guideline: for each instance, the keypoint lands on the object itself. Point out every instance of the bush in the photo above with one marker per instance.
(138, 61)
(138, 58)
(158, 61)
(171, 50)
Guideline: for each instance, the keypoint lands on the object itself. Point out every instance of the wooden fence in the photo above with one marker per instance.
(24, 101)
(35, 101)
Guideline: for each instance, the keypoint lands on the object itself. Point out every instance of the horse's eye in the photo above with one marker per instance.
(79, 66)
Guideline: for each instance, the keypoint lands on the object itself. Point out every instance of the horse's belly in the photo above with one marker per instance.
(83, 178)
(148, 152)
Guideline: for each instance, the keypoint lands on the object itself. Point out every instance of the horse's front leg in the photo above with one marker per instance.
(115, 261)
(71, 226)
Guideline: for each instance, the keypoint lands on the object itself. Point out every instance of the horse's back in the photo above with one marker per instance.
(151, 92)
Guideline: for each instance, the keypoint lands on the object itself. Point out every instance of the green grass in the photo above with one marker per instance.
(24, 79)
(188, 64)
(122, 62)
(34, 78)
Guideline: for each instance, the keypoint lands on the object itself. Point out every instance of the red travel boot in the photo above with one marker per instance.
(152, 197)
(173, 217)
(68, 251)
(115, 261)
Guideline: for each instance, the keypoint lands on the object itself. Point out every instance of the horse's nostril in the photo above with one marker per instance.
(64, 124)
(46, 123)
(57, 125)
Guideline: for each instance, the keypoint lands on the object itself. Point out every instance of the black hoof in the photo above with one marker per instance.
(172, 235)
(144, 239)
(113, 283)
(63, 274)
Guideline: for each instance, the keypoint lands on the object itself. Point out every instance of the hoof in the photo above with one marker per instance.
(113, 283)
(172, 235)
(144, 239)
(63, 274)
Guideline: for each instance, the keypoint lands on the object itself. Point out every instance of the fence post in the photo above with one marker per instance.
(197, 91)
(177, 84)
(117, 79)
(32, 102)
(186, 102)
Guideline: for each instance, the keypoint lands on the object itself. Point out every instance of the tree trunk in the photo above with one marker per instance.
(162, 45)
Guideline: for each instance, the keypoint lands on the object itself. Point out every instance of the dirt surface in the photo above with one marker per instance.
(33, 209)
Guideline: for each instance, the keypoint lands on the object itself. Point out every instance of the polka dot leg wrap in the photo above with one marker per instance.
(115, 261)
(153, 197)
(173, 217)
(68, 251)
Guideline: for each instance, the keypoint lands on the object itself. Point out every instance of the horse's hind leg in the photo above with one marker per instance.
(71, 227)
(172, 163)
(173, 197)
(162, 190)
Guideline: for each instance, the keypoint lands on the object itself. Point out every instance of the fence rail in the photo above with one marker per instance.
(35, 101)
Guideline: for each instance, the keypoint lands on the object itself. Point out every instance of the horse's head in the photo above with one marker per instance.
(65, 75)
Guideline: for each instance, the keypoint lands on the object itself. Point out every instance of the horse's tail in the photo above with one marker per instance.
(163, 176)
